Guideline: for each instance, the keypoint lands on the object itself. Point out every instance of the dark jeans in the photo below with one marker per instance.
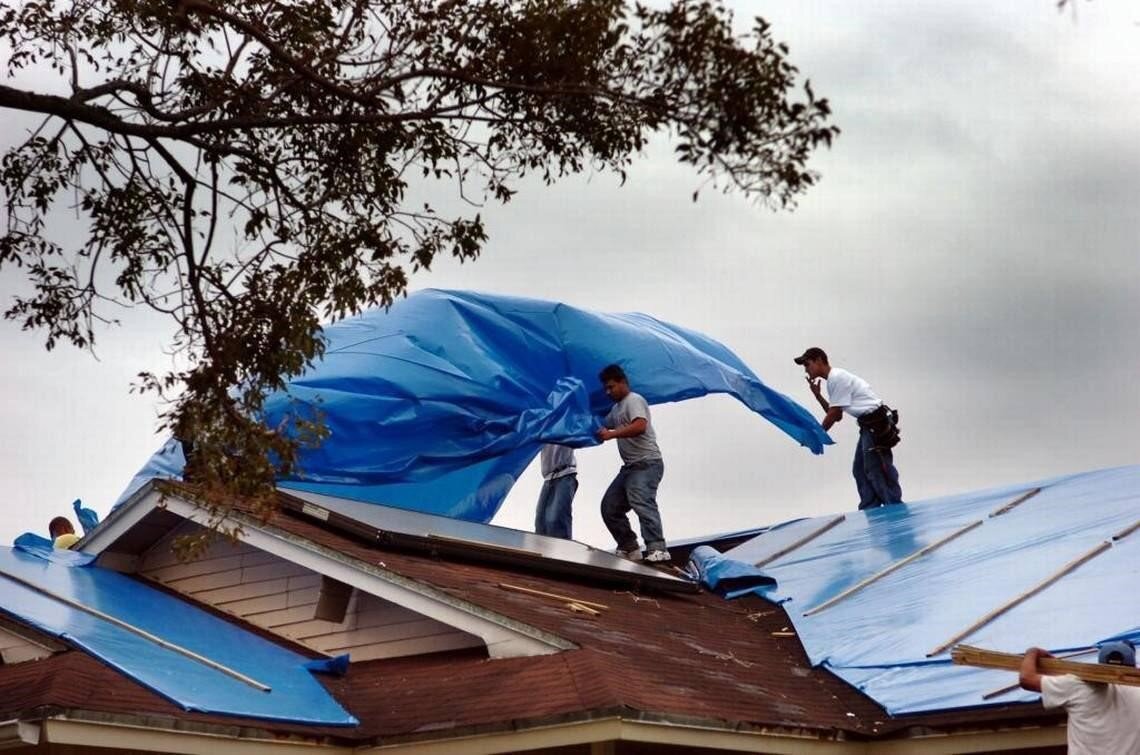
(875, 473)
(635, 487)
(553, 516)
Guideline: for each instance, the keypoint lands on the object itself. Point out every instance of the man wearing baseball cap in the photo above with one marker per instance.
(1103, 718)
(874, 467)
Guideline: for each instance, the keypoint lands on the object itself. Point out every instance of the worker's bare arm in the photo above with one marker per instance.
(834, 414)
(814, 384)
(1030, 677)
(632, 430)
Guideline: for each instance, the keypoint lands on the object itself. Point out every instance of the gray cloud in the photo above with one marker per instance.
(971, 250)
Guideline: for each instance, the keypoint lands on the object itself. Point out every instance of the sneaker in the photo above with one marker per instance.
(658, 556)
(632, 555)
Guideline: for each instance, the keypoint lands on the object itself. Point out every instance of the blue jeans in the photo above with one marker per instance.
(635, 487)
(875, 473)
(553, 516)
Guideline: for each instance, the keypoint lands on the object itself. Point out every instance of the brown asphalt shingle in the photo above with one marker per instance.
(656, 655)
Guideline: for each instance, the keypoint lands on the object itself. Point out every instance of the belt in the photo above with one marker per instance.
(867, 417)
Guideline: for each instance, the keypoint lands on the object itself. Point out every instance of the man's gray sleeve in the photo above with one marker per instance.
(638, 407)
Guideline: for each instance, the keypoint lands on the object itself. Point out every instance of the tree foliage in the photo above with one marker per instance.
(252, 168)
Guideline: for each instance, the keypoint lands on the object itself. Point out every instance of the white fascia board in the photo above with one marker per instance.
(617, 729)
(90, 736)
(504, 637)
(121, 520)
(16, 734)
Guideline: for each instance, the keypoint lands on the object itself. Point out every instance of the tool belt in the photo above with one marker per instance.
(883, 424)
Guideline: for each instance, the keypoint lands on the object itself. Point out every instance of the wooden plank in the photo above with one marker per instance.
(202, 582)
(202, 567)
(374, 635)
(967, 655)
(304, 581)
(834, 522)
(233, 593)
(454, 640)
(894, 567)
(278, 568)
(279, 616)
(1014, 503)
(374, 615)
(163, 554)
(552, 596)
(309, 627)
(261, 604)
(1010, 688)
(1062, 572)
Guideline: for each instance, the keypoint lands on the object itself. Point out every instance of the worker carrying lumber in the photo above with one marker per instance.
(1103, 718)
(874, 468)
(552, 516)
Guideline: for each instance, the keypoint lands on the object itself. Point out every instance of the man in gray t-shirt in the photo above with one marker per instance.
(635, 487)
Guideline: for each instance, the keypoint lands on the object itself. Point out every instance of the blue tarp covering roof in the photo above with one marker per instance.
(30, 573)
(878, 639)
(441, 402)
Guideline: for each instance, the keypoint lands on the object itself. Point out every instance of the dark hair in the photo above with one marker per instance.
(612, 372)
(61, 525)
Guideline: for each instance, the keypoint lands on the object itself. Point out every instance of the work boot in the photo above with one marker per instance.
(633, 555)
(656, 556)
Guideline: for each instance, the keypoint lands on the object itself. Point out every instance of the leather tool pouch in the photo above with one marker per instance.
(883, 424)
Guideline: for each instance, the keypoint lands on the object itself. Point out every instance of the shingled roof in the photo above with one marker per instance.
(691, 661)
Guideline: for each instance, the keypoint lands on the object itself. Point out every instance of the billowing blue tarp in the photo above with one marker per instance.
(294, 696)
(441, 402)
(878, 638)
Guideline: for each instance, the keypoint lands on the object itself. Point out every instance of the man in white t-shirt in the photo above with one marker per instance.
(1103, 718)
(874, 470)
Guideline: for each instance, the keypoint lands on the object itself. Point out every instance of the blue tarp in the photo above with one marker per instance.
(441, 402)
(878, 638)
(726, 576)
(294, 696)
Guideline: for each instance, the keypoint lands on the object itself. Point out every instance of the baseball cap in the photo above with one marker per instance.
(813, 353)
(1117, 653)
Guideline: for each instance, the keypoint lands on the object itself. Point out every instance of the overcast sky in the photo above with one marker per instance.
(971, 251)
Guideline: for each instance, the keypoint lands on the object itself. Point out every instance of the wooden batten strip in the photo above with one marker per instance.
(140, 632)
(836, 521)
(553, 596)
(1063, 571)
(894, 567)
(967, 655)
(1005, 509)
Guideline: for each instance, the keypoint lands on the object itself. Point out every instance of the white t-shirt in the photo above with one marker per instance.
(850, 393)
(1103, 718)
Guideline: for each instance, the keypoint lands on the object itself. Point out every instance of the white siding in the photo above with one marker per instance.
(16, 649)
(281, 596)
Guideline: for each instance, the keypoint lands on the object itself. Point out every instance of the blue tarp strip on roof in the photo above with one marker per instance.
(878, 638)
(294, 696)
(441, 402)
